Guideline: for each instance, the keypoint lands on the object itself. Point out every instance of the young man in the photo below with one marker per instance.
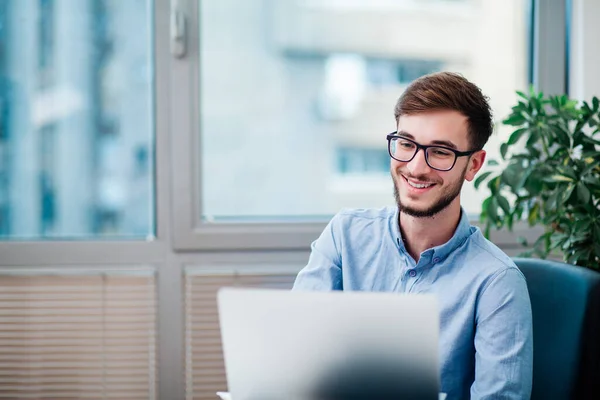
(426, 244)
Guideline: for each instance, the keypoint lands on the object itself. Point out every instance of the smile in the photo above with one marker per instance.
(419, 185)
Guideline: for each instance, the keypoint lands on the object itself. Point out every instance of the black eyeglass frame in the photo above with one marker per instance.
(394, 135)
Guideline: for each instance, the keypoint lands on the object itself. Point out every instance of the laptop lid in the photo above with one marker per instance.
(281, 344)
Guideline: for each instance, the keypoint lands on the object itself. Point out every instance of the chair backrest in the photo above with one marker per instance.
(565, 302)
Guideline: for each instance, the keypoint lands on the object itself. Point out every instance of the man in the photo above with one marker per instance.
(426, 244)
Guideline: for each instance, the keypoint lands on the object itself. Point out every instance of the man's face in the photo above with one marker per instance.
(420, 190)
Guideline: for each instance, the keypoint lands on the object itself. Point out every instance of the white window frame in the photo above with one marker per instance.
(191, 233)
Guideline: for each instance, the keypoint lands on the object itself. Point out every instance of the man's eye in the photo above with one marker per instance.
(406, 145)
(441, 153)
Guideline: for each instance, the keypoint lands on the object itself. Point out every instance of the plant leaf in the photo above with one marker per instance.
(522, 95)
(515, 120)
(583, 192)
(492, 210)
(481, 178)
(597, 232)
(516, 135)
(503, 150)
(560, 178)
(503, 203)
(534, 214)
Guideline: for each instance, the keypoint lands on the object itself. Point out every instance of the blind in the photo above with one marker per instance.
(78, 336)
(205, 368)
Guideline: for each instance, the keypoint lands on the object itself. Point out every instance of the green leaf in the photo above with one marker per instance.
(515, 120)
(557, 240)
(597, 232)
(492, 163)
(516, 135)
(503, 203)
(582, 225)
(583, 193)
(508, 220)
(492, 210)
(534, 214)
(552, 202)
(567, 171)
(481, 178)
(559, 178)
(567, 194)
(591, 180)
(522, 177)
(522, 95)
(587, 139)
(493, 184)
(562, 136)
(503, 150)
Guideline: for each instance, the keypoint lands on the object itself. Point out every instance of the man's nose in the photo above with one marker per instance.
(418, 165)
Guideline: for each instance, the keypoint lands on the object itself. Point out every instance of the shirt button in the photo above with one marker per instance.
(412, 273)
(436, 260)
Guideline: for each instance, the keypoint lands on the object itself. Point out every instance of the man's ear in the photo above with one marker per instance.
(475, 163)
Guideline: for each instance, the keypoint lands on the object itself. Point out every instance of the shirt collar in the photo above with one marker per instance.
(439, 253)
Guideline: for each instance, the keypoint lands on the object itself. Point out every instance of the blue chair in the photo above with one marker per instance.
(565, 302)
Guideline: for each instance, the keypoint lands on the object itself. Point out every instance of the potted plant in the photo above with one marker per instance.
(550, 175)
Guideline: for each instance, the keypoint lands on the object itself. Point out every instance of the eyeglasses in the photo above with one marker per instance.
(437, 157)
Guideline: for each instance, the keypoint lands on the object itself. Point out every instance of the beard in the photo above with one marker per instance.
(439, 205)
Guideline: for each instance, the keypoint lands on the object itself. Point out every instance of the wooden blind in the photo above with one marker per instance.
(205, 369)
(78, 336)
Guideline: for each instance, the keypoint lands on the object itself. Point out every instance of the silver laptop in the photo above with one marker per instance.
(284, 345)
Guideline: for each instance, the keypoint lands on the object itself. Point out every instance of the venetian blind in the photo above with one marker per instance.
(78, 336)
(205, 370)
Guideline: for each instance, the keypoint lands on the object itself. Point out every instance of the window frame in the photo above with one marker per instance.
(190, 233)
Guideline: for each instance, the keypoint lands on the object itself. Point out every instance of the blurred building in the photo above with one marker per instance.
(76, 130)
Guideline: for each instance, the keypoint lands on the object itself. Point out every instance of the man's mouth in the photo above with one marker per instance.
(418, 184)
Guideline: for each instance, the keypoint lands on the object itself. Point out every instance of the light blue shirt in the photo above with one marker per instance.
(486, 344)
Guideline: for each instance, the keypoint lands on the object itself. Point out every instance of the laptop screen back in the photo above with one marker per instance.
(288, 345)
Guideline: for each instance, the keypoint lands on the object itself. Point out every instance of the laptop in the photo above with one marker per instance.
(291, 345)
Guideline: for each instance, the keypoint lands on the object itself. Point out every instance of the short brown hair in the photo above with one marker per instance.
(449, 91)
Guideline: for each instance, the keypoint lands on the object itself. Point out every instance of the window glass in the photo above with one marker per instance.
(76, 123)
(297, 96)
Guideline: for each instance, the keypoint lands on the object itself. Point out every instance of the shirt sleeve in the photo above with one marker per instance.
(324, 269)
(504, 339)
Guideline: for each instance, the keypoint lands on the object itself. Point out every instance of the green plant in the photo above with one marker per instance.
(549, 174)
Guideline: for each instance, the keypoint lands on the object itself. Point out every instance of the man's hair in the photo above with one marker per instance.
(449, 91)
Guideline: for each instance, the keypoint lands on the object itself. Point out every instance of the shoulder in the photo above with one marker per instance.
(495, 257)
(497, 266)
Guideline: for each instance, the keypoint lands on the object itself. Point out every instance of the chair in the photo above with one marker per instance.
(565, 302)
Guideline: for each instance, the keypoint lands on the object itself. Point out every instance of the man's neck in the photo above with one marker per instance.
(420, 234)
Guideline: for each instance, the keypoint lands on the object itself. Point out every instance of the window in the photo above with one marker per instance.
(294, 93)
(76, 119)
(382, 73)
(360, 161)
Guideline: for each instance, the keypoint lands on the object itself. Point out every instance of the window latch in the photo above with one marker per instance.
(178, 30)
